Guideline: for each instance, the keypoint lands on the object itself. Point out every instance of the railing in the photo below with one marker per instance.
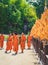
(41, 49)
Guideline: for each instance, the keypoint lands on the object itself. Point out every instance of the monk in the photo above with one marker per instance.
(9, 43)
(22, 43)
(29, 41)
(2, 40)
(15, 43)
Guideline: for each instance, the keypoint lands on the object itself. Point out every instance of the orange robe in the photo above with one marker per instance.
(29, 41)
(2, 41)
(22, 44)
(9, 43)
(15, 43)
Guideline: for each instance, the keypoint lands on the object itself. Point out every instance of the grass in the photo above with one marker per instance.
(5, 37)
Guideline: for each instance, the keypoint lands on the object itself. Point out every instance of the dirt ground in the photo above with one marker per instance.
(29, 57)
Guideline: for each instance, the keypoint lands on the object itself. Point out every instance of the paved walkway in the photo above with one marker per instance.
(29, 57)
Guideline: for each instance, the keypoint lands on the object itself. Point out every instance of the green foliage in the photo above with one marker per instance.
(39, 5)
(12, 1)
(14, 14)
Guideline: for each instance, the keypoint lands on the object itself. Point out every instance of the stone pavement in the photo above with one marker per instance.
(29, 57)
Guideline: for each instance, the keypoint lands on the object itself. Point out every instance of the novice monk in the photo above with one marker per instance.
(29, 41)
(22, 44)
(9, 43)
(15, 43)
(2, 40)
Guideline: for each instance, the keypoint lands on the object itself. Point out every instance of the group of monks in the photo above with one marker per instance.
(13, 42)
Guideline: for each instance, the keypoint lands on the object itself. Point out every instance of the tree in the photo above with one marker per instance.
(15, 14)
(39, 5)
